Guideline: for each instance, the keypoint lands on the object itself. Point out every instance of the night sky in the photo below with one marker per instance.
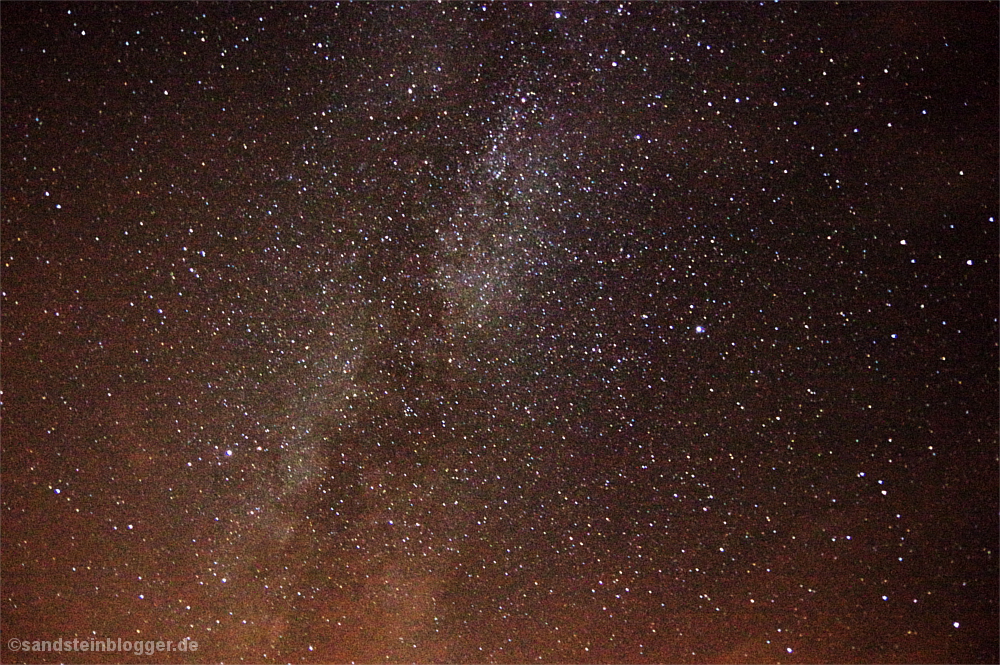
(501, 333)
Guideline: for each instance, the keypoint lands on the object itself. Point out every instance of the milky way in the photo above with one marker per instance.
(501, 333)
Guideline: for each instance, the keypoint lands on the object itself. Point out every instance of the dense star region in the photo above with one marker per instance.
(454, 332)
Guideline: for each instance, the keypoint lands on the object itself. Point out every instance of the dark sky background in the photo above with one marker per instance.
(506, 333)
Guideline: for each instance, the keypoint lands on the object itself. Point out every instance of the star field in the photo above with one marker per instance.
(508, 332)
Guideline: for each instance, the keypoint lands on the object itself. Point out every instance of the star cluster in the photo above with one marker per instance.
(489, 332)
